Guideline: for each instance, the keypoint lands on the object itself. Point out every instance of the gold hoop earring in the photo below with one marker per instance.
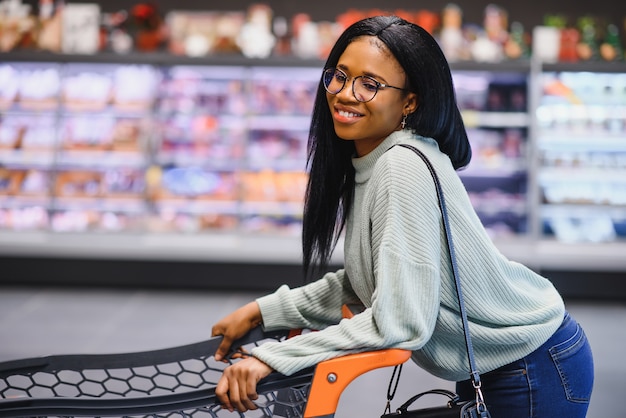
(403, 123)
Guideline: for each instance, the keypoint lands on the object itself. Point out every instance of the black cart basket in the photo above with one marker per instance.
(173, 382)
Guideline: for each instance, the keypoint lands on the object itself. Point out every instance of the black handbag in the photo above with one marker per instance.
(475, 408)
(454, 408)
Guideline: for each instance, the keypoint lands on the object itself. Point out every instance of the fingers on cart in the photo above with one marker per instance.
(173, 382)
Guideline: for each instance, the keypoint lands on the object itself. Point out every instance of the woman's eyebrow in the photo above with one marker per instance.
(377, 77)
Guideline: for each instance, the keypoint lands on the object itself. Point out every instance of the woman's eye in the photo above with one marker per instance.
(369, 85)
(340, 77)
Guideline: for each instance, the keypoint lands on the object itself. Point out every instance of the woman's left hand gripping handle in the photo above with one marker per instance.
(234, 326)
(236, 388)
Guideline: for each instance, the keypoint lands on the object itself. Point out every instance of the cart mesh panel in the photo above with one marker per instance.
(176, 382)
(126, 382)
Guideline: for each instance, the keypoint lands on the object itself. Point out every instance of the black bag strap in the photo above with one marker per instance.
(453, 398)
(474, 374)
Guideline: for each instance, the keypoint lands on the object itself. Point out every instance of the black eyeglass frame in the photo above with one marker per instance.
(377, 83)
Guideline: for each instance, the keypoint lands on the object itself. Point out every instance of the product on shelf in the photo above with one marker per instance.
(39, 86)
(198, 34)
(35, 182)
(78, 184)
(568, 48)
(276, 225)
(611, 48)
(24, 199)
(11, 133)
(500, 202)
(17, 25)
(87, 133)
(86, 90)
(488, 46)
(135, 87)
(27, 217)
(498, 149)
(191, 199)
(80, 28)
(94, 220)
(272, 202)
(491, 92)
(583, 187)
(283, 91)
(95, 87)
(9, 181)
(26, 132)
(9, 85)
(146, 26)
(198, 139)
(196, 183)
(102, 132)
(268, 148)
(174, 219)
(203, 90)
(271, 186)
(451, 38)
(583, 226)
(123, 183)
(74, 220)
(106, 200)
(127, 135)
(313, 40)
(24, 182)
(255, 38)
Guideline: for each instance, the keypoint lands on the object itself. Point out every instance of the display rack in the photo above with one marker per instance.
(203, 159)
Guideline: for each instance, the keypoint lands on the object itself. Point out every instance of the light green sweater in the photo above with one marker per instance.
(397, 266)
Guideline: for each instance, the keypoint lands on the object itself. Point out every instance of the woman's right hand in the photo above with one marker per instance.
(235, 326)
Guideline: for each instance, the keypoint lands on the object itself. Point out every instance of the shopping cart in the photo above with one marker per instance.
(174, 382)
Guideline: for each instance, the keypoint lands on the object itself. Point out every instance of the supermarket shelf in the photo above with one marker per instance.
(553, 255)
(165, 58)
(521, 65)
(152, 246)
(473, 119)
(572, 143)
(158, 58)
(606, 257)
(586, 66)
(240, 248)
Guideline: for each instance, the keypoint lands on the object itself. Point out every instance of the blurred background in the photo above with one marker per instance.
(155, 153)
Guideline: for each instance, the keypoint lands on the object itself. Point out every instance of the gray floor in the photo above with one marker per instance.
(35, 322)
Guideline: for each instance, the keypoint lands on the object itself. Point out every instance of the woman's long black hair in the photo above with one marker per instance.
(330, 186)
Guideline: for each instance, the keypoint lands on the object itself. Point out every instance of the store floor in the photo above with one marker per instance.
(44, 321)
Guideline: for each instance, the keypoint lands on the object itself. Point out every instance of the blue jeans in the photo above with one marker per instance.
(554, 381)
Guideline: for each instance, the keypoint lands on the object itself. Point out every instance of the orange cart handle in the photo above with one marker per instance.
(333, 376)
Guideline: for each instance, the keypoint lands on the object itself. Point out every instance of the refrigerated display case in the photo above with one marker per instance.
(494, 105)
(29, 100)
(581, 143)
(205, 159)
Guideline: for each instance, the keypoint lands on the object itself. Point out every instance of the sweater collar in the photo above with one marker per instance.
(364, 166)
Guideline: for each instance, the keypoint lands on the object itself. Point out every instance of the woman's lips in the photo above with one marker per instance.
(346, 116)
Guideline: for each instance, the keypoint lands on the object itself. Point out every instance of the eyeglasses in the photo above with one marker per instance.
(364, 88)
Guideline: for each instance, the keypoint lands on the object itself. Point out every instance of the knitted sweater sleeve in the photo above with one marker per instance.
(314, 306)
(402, 305)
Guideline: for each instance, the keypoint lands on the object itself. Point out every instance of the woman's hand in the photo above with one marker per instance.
(236, 388)
(235, 326)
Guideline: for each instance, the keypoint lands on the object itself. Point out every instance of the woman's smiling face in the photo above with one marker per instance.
(369, 123)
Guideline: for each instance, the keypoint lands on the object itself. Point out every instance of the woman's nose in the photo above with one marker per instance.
(346, 92)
